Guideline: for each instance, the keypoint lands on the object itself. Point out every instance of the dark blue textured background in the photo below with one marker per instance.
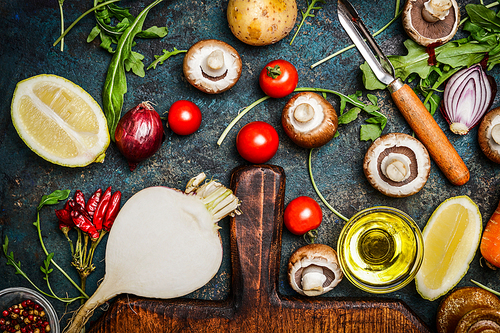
(29, 29)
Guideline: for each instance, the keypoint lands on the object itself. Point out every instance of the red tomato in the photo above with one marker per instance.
(302, 214)
(184, 117)
(278, 78)
(257, 142)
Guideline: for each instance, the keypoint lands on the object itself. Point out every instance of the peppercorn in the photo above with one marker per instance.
(24, 317)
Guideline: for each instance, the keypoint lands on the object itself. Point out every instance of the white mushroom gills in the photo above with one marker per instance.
(313, 279)
(436, 10)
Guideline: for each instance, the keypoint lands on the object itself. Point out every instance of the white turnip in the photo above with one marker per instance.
(164, 243)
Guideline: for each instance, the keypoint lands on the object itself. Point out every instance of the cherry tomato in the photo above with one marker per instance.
(184, 117)
(257, 142)
(278, 78)
(302, 215)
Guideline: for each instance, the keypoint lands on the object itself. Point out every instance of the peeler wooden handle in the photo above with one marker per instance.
(429, 133)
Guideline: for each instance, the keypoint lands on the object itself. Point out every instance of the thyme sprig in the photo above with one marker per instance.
(310, 7)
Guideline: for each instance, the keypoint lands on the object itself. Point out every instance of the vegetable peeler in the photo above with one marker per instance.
(411, 107)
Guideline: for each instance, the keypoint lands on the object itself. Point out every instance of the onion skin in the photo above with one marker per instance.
(467, 97)
(139, 134)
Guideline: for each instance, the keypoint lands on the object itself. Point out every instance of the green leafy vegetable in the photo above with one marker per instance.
(161, 58)
(115, 85)
(310, 7)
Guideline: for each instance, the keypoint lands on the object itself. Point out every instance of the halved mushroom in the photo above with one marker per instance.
(212, 66)
(431, 22)
(489, 135)
(309, 120)
(397, 164)
(314, 270)
(461, 301)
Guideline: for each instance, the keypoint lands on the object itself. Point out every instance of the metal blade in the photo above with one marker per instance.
(350, 20)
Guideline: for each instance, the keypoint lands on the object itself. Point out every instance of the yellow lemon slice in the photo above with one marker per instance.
(59, 121)
(451, 238)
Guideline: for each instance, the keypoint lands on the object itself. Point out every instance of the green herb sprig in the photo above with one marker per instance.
(47, 200)
(159, 59)
(310, 7)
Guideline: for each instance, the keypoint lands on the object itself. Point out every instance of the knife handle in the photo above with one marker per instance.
(429, 133)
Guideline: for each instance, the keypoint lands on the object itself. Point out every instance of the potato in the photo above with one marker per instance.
(261, 22)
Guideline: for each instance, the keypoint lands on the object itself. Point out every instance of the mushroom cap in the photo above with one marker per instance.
(480, 320)
(397, 147)
(459, 302)
(320, 257)
(211, 81)
(426, 33)
(316, 132)
(489, 147)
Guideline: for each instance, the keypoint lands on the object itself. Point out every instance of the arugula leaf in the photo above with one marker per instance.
(349, 116)
(115, 85)
(310, 7)
(369, 132)
(484, 17)
(134, 63)
(161, 58)
(53, 198)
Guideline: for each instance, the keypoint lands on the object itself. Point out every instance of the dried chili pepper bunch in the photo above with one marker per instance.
(91, 219)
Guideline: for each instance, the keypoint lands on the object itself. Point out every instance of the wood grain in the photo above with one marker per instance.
(254, 303)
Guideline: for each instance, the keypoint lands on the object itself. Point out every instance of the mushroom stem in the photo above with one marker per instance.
(215, 60)
(435, 10)
(303, 113)
(495, 133)
(396, 171)
(312, 280)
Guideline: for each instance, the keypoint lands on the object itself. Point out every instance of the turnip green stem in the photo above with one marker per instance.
(319, 193)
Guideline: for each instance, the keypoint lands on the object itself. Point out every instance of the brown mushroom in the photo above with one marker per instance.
(212, 66)
(431, 22)
(397, 164)
(309, 120)
(460, 302)
(480, 320)
(314, 270)
(489, 135)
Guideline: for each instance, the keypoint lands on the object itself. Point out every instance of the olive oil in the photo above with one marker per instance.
(379, 249)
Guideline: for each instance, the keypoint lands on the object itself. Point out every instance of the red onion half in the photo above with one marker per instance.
(467, 97)
(139, 134)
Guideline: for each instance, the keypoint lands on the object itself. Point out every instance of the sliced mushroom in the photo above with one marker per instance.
(461, 301)
(212, 66)
(489, 135)
(314, 270)
(397, 164)
(431, 22)
(309, 120)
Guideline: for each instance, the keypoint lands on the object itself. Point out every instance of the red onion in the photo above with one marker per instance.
(467, 97)
(139, 134)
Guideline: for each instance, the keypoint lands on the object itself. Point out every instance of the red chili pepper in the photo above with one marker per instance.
(74, 206)
(84, 224)
(79, 198)
(93, 202)
(64, 217)
(100, 213)
(112, 211)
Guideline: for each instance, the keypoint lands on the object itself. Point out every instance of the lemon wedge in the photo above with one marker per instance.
(451, 238)
(59, 121)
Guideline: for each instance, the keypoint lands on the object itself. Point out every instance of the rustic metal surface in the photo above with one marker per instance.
(30, 28)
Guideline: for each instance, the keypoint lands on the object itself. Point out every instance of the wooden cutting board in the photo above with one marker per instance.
(254, 303)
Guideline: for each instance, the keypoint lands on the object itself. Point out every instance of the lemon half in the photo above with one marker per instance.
(451, 238)
(59, 121)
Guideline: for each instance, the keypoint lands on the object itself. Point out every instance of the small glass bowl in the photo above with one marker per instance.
(380, 249)
(12, 296)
